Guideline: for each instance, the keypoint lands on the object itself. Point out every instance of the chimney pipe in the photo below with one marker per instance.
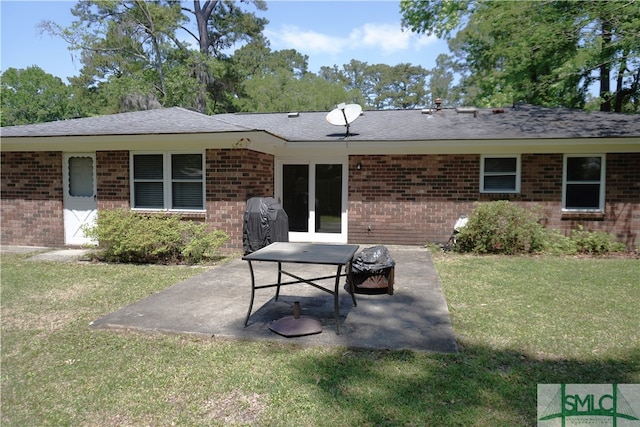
(438, 104)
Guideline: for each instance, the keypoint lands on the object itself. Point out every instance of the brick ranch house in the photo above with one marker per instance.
(399, 177)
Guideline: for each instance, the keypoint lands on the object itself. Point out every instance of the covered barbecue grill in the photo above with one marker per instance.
(372, 271)
(264, 222)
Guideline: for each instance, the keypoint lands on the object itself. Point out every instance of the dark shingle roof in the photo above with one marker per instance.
(520, 122)
(174, 120)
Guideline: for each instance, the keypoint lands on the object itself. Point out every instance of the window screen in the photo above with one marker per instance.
(584, 183)
(148, 187)
(500, 175)
(168, 181)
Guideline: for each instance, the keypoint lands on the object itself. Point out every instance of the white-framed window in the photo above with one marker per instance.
(500, 174)
(583, 182)
(167, 181)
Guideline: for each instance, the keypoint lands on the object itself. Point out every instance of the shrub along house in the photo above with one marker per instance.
(399, 177)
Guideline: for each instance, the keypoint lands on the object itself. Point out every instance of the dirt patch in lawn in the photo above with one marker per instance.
(236, 408)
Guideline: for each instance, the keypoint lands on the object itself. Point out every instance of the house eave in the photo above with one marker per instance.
(255, 140)
(266, 142)
(484, 146)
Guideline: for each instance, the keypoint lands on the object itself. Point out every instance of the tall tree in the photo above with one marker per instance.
(403, 86)
(279, 81)
(351, 78)
(33, 96)
(523, 50)
(547, 53)
(611, 32)
(134, 44)
(220, 24)
(124, 42)
(442, 81)
(380, 86)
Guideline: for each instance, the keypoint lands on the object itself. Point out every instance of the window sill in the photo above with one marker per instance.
(582, 216)
(499, 192)
(183, 214)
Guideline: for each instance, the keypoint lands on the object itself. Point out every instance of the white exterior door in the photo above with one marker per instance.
(313, 193)
(80, 203)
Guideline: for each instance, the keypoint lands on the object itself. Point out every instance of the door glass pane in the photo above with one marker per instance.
(295, 196)
(81, 176)
(328, 199)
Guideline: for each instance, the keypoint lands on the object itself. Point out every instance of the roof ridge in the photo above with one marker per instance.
(521, 122)
(231, 122)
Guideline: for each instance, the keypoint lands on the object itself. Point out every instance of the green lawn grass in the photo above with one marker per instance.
(519, 321)
(546, 306)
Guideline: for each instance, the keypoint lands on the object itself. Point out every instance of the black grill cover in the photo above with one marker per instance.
(265, 222)
(372, 260)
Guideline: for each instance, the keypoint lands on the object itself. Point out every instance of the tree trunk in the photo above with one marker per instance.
(605, 88)
(163, 85)
(202, 19)
(605, 69)
(149, 25)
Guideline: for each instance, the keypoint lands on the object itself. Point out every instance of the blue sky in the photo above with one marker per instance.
(328, 32)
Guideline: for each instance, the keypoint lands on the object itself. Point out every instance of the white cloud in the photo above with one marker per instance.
(424, 41)
(292, 37)
(388, 38)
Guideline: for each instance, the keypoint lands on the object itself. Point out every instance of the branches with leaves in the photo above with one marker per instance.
(546, 53)
(140, 41)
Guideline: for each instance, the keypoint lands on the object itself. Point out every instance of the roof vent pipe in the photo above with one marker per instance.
(468, 110)
(293, 114)
(438, 104)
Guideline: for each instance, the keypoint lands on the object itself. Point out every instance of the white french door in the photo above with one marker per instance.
(313, 193)
(80, 204)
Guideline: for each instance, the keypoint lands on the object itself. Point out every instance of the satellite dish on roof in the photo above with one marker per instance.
(344, 115)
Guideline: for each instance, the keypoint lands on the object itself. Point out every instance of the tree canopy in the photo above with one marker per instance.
(31, 96)
(138, 54)
(380, 86)
(211, 56)
(544, 53)
(280, 81)
(139, 45)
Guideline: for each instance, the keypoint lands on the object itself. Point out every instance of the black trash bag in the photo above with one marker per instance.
(372, 260)
(265, 222)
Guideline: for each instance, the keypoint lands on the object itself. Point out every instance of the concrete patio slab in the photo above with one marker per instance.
(215, 304)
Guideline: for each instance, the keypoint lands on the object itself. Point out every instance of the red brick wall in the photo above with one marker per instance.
(31, 209)
(542, 186)
(622, 208)
(415, 199)
(409, 199)
(233, 176)
(112, 174)
(412, 199)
